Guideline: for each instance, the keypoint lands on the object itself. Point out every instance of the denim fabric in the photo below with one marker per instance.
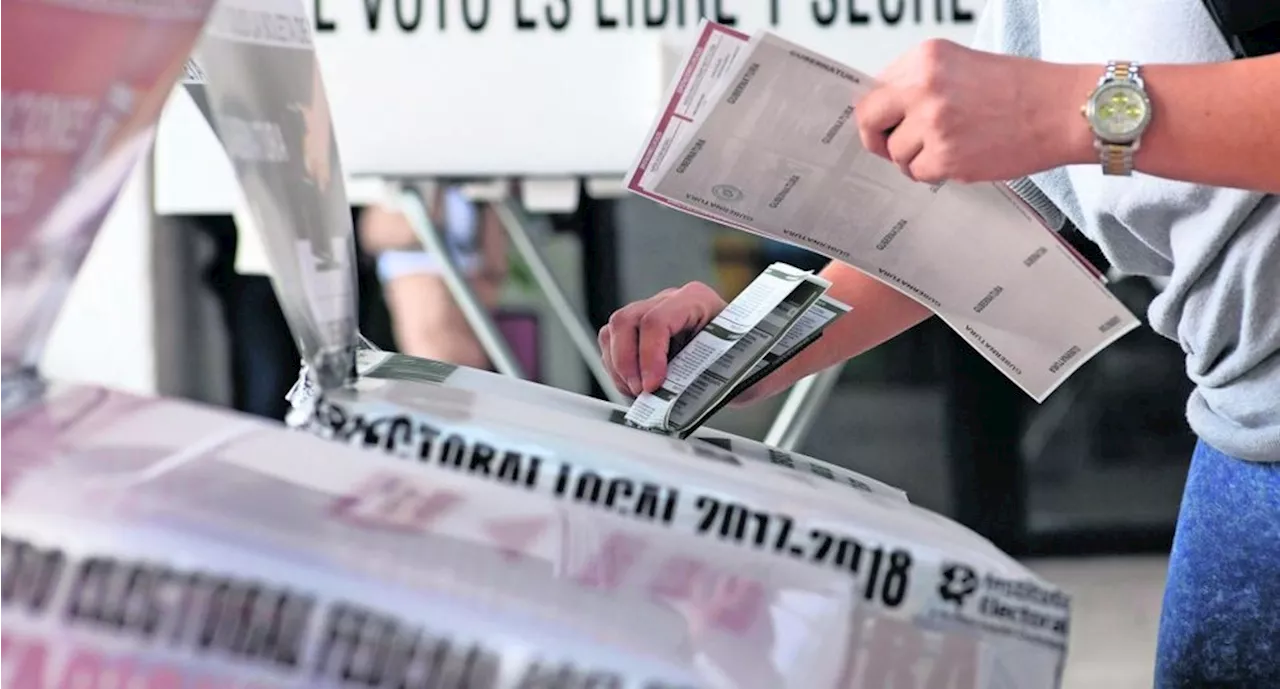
(1220, 626)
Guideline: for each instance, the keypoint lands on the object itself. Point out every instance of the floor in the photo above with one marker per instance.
(1115, 610)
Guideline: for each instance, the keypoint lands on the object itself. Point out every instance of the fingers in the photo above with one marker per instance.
(624, 343)
(657, 327)
(635, 343)
(604, 339)
(878, 113)
(905, 144)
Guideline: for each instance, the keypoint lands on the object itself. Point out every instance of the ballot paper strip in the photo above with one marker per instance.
(163, 543)
(413, 381)
(780, 313)
(256, 78)
(759, 134)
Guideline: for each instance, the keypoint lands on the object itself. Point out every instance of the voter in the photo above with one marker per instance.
(1136, 122)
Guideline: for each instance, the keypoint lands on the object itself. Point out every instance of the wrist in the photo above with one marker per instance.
(1067, 131)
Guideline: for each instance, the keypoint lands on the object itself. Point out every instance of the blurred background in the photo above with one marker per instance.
(175, 297)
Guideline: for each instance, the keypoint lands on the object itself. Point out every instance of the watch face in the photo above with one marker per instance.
(1119, 111)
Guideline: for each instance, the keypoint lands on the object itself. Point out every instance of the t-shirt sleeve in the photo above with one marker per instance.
(1009, 26)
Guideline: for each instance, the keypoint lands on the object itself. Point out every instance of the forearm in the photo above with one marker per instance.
(879, 314)
(382, 229)
(1212, 124)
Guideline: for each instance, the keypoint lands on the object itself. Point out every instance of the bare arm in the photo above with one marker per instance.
(879, 314)
(1215, 124)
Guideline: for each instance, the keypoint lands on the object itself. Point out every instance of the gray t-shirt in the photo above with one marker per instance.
(1218, 249)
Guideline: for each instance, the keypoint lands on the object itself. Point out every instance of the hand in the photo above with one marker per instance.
(946, 112)
(635, 341)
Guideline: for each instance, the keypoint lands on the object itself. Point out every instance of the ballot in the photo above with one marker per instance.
(759, 134)
(778, 315)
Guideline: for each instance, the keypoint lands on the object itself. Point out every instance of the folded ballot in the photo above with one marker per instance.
(777, 316)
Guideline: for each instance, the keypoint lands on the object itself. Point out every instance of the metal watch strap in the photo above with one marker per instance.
(1117, 159)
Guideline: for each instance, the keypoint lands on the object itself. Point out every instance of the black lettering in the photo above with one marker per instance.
(452, 451)
(31, 574)
(473, 23)
(710, 509)
(523, 23)
(856, 17)
(824, 18)
(531, 476)
(341, 633)
(408, 23)
(773, 12)
(589, 486)
(481, 459)
(440, 14)
(960, 15)
(560, 22)
(669, 509)
(372, 13)
(399, 434)
(724, 17)
(891, 16)
(509, 468)
(650, 19)
(90, 591)
(562, 480)
(618, 487)
(323, 25)
(602, 20)
(647, 503)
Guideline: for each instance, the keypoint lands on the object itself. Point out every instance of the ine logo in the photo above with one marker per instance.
(958, 583)
(727, 192)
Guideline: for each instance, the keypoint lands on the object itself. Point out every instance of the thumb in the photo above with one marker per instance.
(656, 330)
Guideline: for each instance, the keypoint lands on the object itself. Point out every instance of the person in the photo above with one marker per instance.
(426, 320)
(1174, 174)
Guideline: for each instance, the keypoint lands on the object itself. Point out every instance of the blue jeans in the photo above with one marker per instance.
(1220, 625)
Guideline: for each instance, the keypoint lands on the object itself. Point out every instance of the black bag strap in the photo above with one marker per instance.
(1251, 27)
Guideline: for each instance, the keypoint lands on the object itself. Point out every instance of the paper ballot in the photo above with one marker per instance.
(759, 134)
(780, 313)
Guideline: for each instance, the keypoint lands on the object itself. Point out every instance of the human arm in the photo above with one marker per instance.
(383, 228)
(1212, 123)
(946, 112)
(635, 341)
(879, 313)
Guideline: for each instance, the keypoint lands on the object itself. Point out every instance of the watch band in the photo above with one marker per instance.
(1117, 159)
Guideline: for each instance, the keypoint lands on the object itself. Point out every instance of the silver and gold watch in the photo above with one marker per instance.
(1118, 111)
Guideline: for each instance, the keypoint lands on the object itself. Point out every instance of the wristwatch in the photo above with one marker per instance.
(1118, 111)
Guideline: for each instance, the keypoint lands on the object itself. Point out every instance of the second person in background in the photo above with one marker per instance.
(425, 317)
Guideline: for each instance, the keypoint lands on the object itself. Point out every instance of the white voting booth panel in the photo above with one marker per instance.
(540, 88)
